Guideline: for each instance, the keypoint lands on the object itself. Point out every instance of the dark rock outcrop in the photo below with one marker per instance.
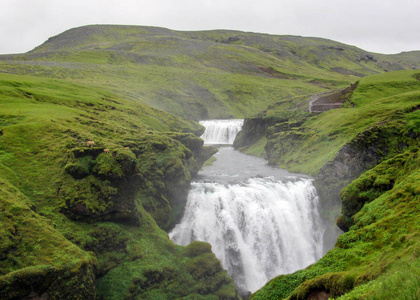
(362, 153)
(358, 155)
(252, 130)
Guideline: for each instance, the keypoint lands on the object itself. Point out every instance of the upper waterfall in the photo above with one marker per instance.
(221, 131)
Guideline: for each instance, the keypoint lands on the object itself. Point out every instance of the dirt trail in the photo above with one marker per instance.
(332, 99)
(318, 103)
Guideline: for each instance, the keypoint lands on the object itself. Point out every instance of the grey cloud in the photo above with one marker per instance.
(381, 26)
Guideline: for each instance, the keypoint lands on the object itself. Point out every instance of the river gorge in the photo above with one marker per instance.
(260, 220)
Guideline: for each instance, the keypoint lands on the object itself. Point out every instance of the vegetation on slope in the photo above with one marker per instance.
(380, 208)
(383, 241)
(80, 219)
(198, 75)
(302, 142)
(86, 177)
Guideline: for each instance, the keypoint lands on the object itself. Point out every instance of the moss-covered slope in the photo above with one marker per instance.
(305, 142)
(378, 256)
(86, 178)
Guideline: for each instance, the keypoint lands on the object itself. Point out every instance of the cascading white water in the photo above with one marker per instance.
(261, 221)
(259, 229)
(221, 131)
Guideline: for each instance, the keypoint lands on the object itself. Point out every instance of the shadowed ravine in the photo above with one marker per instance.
(261, 221)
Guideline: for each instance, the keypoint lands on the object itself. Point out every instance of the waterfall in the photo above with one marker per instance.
(261, 221)
(221, 131)
(258, 229)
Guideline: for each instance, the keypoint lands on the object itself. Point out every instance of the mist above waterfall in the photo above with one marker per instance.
(261, 221)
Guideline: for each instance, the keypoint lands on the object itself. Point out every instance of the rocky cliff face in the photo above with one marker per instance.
(379, 144)
(356, 156)
(255, 128)
(360, 154)
(252, 130)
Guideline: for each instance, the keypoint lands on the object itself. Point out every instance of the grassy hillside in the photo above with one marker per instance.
(80, 219)
(198, 75)
(307, 148)
(378, 256)
(92, 168)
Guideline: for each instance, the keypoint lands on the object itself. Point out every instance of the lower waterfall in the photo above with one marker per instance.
(261, 221)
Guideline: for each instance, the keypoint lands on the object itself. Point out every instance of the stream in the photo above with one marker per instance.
(261, 221)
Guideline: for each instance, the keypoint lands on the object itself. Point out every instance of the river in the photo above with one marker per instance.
(261, 221)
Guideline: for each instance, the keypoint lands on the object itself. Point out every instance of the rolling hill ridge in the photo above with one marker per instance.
(201, 75)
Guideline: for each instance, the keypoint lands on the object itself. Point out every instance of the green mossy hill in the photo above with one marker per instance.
(200, 75)
(304, 142)
(316, 52)
(373, 183)
(377, 120)
(35, 258)
(376, 143)
(86, 178)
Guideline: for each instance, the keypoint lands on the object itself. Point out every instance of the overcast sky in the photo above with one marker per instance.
(383, 26)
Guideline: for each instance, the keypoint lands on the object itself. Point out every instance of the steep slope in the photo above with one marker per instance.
(86, 177)
(378, 135)
(199, 75)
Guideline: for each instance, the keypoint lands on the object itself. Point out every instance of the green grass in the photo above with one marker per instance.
(88, 104)
(257, 149)
(377, 99)
(385, 238)
(73, 213)
(35, 253)
(401, 281)
(187, 90)
(381, 207)
(179, 83)
(197, 75)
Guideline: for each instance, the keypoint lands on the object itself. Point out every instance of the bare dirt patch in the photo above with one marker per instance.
(330, 100)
